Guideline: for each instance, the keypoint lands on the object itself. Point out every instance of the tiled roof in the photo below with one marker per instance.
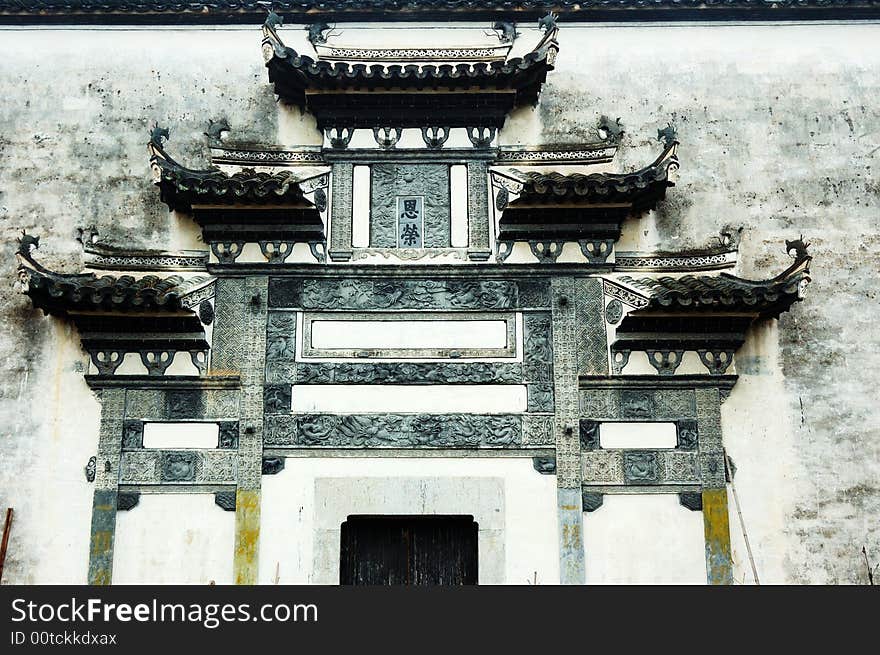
(650, 181)
(724, 291)
(181, 187)
(293, 73)
(58, 292)
(252, 11)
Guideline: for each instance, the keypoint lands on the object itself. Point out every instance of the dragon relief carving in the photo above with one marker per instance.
(408, 430)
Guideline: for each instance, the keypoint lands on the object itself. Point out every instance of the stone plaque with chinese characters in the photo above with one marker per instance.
(410, 221)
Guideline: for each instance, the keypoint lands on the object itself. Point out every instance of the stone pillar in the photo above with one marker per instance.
(103, 530)
(478, 210)
(719, 564)
(716, 526)
(240, 346)
(342, 181)
(568, 453)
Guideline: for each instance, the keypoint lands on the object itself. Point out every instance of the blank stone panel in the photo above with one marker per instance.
(174, 539)
(637, 435)
(181, 435)
(644, 539)
(427, 399)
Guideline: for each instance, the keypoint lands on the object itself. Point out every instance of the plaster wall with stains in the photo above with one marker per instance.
(779, 132)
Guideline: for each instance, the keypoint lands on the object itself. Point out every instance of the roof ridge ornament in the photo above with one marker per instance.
(507, 31)
(316, 32)
(800, 249)
(158, 135)
(215, 132)
(273, 20)
(611, 131)
(668, 135)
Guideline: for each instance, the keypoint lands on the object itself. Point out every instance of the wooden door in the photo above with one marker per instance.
(408, 550)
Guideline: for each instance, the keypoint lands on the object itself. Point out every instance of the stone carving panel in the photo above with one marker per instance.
(390, 181)
(395, 431)
(538, 350)
(407, 373)
(393, 294)
(603, 467)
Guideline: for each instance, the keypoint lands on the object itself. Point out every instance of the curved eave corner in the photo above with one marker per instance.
(180, 187)
(725, 293)
(60, 293)
(641, 189)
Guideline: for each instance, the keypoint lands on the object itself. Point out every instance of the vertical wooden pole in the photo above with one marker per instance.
(7, 528)
(716, 525)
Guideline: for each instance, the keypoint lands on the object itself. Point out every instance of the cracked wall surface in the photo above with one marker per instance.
(780, 135)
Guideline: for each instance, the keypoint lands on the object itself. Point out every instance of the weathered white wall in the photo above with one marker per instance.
(299, 516)
(174, 539)
(779, 130)
(644, 539)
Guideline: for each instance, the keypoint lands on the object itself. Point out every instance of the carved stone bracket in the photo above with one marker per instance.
(272, 465)
(503, 250)
(596, 251)
(387, 137)
(591, 500)
(200, 360)
(435, 137)
(692, 500)
(546, 252)
(481, 137)
(665, 361)
(544, 465)
(339, 137)
(107, 361)
(276, 252)
(225, 500)
(716, 361)
(619, 360)
(227, 251)
(157, 361)
(318, 250)
(126, 500)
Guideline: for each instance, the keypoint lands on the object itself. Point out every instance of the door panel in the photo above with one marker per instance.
(408, 550)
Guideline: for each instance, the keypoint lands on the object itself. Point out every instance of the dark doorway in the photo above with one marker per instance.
(408, 550)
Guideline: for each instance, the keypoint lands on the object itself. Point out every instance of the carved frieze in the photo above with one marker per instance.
(393, 294)
(178, 467)
(407, 373)
(538, 351)
(394, 430)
